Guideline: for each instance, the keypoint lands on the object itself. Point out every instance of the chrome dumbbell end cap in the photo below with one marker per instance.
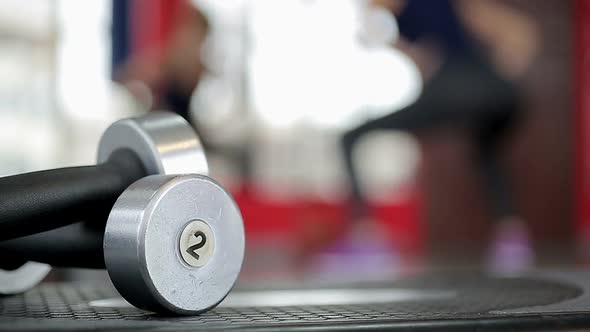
(174, 244)
(164, 141)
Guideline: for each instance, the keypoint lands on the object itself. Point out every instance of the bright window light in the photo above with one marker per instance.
(83, 57)
(308, 63)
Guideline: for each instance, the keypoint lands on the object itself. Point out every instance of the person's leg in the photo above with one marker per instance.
(467, 188)
(348, 143)
(488, 138)
(511, 248)
(419, 116)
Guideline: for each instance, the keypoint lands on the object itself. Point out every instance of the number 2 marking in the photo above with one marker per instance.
(192, 250)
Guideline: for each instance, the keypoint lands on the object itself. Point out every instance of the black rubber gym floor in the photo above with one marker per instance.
(472, 302)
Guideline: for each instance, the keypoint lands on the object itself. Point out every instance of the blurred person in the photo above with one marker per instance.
(170, 71)
(471, 54)
(166, 75)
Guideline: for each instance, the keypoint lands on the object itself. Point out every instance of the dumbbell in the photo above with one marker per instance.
(163, 231)
(158, 143)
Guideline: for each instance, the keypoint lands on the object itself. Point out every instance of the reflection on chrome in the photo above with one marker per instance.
(284, 298)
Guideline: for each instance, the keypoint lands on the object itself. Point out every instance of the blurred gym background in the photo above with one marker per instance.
(362, 139)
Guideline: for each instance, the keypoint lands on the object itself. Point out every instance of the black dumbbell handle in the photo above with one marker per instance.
(76, 245)
(39, 201)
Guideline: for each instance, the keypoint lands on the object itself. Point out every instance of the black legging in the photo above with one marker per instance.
(465, 93)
